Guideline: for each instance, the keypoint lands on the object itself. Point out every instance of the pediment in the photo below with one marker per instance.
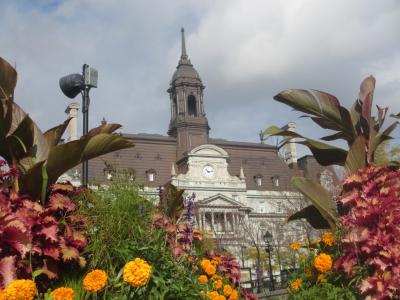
(208, 150)
(220, 200)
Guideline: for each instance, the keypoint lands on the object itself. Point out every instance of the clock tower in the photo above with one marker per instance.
(188, 124)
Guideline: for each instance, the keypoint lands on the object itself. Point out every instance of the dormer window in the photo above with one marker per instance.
(258, 179)
(275, 180)
(151, 175)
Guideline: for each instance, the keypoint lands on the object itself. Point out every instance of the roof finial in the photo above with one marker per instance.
(183, 55)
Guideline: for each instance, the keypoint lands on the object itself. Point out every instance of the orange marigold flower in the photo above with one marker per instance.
(63, 293)
(210, 270)
(323, 262)
(296, 284)
(95, 281)
(137, 272)
(308, 271)
(196, 268)
(204, 263)
(213, 295)
(227, 290)
(234, 295)
(295, 246)
(20, 289)
(218, 284)
(203, 278)
(216, 260)
(216, 277)
(328, 238)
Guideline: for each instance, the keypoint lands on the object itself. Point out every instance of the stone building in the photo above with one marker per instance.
(235, 182)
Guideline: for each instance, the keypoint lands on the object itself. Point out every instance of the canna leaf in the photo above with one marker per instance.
(313, 216)
(356, 157)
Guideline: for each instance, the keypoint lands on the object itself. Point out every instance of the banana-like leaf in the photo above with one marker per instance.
(106, 128)
(174, 205)
(366, 95)
(53, 135)
(313, 216)
(397, 116)
(320, 198)
(32, 180)
(356, 157)
(324, 153)
(64, 157)
(8, 79)
(321, 105)
(104, 143)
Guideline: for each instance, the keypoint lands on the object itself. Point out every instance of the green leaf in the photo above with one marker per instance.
(356, 157)
(8, 79)
(319, 196)
(312, 215)
(324, 153)
(53, 135)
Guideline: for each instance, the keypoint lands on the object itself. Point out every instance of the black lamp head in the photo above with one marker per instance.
(71, 85)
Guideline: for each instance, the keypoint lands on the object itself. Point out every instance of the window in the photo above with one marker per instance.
(275, 180)
(258, 179)
(192, 107)
(151, 175)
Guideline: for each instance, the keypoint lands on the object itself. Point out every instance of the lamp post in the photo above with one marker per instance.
(268, 240)
(73, 84)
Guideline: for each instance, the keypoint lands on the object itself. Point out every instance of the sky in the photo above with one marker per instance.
(246, 51)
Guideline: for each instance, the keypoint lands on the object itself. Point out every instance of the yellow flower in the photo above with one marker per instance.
(63, 293)
(202, 293)
(2, 295)
(227, 290)
(321, 278)
(210, 270)
(137, 272)
(203, 278)
(323, 262)
(218, 284)
(213, 295)
(295, 246)
(222, 297)
(216, 277)
(296, 284)
(95, 281)
(20, 289)
(234, 295)
(216, 260)
(328, 239)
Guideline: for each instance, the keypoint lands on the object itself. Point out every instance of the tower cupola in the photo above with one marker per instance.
(188, 119)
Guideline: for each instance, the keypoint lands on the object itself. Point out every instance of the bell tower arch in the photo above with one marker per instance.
(189, 124)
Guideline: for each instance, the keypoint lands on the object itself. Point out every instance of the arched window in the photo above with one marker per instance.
(192, 107)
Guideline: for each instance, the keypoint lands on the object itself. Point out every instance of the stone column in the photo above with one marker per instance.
(212, 220)
(224, 227)
(72, 129)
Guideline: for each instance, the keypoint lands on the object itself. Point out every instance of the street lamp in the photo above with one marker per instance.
(73, 84)
(268, 241)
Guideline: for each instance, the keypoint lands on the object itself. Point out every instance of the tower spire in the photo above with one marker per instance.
(183, 55)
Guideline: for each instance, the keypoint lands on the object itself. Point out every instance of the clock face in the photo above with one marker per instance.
(208, 171)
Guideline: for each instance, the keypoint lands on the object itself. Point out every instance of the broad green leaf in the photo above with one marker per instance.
(104, 143)
(312, 215)
(64, 157)
(32, 181)
(356, 157)
(324, 153)
(319, 197)
(106, 128)
(53, 135)
(320, 105)
(8, 79)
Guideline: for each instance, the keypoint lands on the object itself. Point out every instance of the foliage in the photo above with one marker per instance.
(387, 154)
(362, 132)
(372, 224)
(325, 291)
(37, 240)
(120, 220)
(316, 278)
(39, 157)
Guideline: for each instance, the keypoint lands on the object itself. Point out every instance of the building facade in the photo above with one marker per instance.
(242, 189)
